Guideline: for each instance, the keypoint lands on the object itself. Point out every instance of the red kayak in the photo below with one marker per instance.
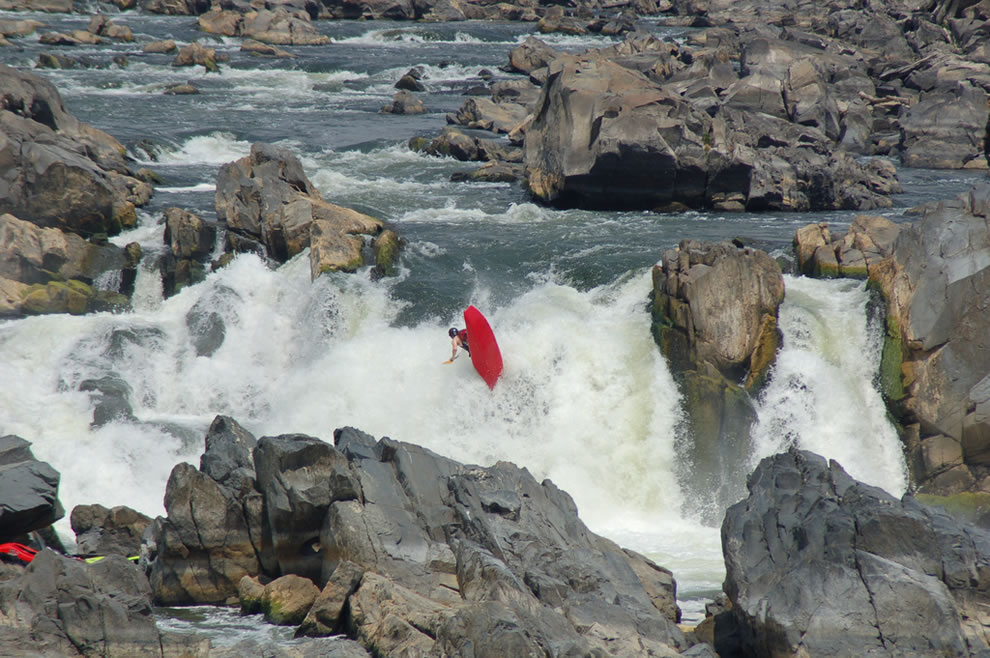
(20, 551)
(485, 355)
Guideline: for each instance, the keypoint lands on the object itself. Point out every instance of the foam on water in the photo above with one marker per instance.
(216, 148)
(822, 396)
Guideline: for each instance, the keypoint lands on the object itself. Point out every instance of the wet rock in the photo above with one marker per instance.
(102, 531)
(29, 489)
(818, 562)
(61, 172)
(404, 102)
(266, 198)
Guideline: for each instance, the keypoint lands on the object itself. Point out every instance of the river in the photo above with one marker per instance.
(586, 400)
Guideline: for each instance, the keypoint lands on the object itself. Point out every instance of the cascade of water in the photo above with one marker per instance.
(822, 395)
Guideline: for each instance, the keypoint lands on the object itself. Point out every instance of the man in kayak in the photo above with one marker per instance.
(458, 340)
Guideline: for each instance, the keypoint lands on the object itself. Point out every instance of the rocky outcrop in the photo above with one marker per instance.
(28, 490)
(934, 275)
(715, 319)
(420, 551)
(61, 606)
(60, 172)
(820, 564)
(608, 136)
(190, 241)
(937, 287)
(57, 270)
(282, 26)
(267, 202)
(102, 531)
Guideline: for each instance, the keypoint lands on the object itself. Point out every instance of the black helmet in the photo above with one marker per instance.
(452, 332)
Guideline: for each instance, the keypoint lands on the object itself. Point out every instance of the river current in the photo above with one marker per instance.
(586, 400)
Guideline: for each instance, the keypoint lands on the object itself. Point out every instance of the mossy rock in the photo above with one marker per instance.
(891, 383)
(57, 297)
(386, 252)
(418, 143)
(971, 507)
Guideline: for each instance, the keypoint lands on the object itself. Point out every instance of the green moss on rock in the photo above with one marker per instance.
(972, 507)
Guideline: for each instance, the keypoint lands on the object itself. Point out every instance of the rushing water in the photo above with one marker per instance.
(586, 400)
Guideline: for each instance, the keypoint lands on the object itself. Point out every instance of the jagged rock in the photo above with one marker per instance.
(61, 606)
(266, 197)
(817, 562)
(61, 172)
(102, 531)
(28, 490)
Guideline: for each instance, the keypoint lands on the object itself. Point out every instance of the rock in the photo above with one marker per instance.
(190, 242)
(296, 476)
(61, 172)
(715, 319)
(727, 292)
(283, 27)
(817, 562)
(196, 54)
(163, 47)
(208, 542)
(936, 284)
(228, 458)
(327, 614)
(386, 247)
(486, 114)
(404, 102)
(532, 54)
(264, 49)
(102, 531)
(267, 198)
(410, 82)
(66, 607)
(249, 592)
(181, 89)
(32, 254)
(19, 28)
(28, 489)
(946, 131)
(286, 601)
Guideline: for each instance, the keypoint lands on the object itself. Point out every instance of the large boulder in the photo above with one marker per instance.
(715, 311)
(59, 171)
(607, 136)
(28, 490)
(820, 564)
(937, 286)
(212, 535)
(266, 198)
(61, 606)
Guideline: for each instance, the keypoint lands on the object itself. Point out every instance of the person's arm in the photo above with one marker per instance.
(454, 343)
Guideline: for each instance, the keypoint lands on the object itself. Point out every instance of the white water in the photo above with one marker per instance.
(822, 396)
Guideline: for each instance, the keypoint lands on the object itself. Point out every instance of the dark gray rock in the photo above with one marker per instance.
(102, 531)
(820, 564)
(28, 490)
(65, 607)
(295, 475)
(211, 538)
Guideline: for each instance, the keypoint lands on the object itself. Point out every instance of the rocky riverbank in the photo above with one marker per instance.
(377, 547)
